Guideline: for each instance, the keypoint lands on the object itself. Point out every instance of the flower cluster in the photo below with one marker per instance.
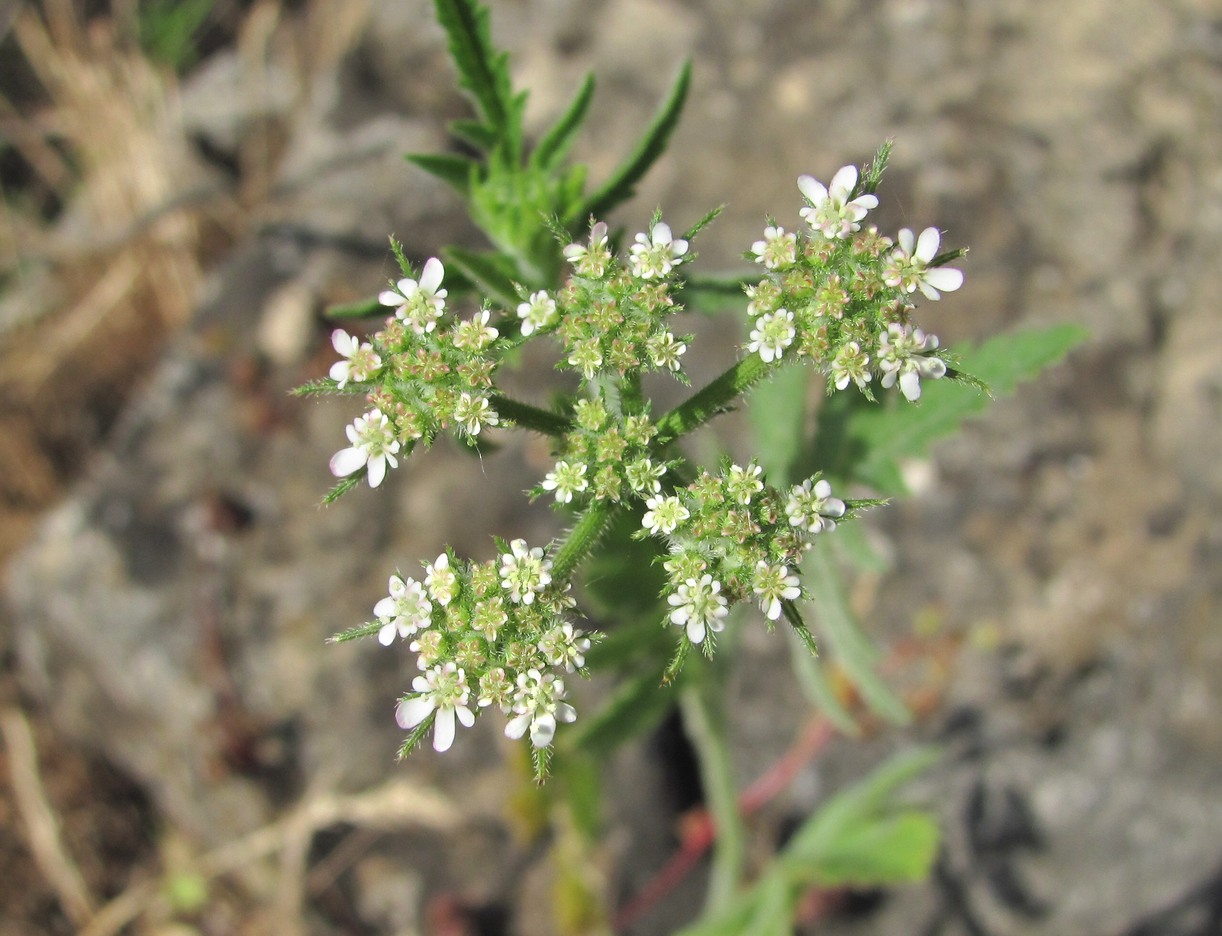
(486, 635)
(423, 372)
(734, 538)
(840, 295)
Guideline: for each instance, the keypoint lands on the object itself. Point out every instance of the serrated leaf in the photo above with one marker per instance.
(555, 143)
(863, 442)
(455, 171)
(777, 411)
(491, 272)
(480, 135)
(482, 71)
(622, 184)
(846, 642)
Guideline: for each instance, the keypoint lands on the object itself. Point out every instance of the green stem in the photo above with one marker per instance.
(530, 417)
(705, 723)
(714, 399)
(583, 538)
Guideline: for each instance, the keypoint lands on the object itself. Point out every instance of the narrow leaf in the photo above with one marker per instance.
(481, 70)
(556, 142)
(492, 272)
(482, 136)
(777, 411)
(622, 184)
(455, 171)
(342, 488)
(366, 308)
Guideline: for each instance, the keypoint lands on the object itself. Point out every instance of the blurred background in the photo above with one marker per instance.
(187, 185)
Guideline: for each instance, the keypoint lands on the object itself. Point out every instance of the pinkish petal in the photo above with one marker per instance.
(348, 461)
(432, 276)
(411, 712)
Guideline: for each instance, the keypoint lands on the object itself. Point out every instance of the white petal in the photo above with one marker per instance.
(385, 608)
(386, 636)
(348, 461)
(906, 241)
(411, 712)
(465, 715)
(517, 726)
(910, 384)
(339, 372)
(390, 298)
(813, 189)
(695, 629)
(433, 273)
(927, 244)
(865, 202)
(843, 182)
(377, 470)
(661, 233)
(679, 247)
(443, 730)
(565, 712)
(542, 730)
(406, 286)
(946, 279)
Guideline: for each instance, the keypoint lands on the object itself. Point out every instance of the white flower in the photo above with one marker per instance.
(655, 254)
(777, 250)
(642, 475)
(537, 312)
(773, 333)
(474, 412)
(699, 607)
(586, 357)
(830, 210)
(906, 354)
(812, 508)
(592, 260)
(475, 333)
(441, 581)
(774, 584)
(664, 350)
(537, 705)
(360, 361)
(442, 689)
(909, 267)
(373, 445)
(524, 572)
(566, 480)
(742, 484)
(564, 646)
(664, 514)
(419, 304)
(851, 364)
(405, 610)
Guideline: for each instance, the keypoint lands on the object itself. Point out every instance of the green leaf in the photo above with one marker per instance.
(862, 837)
(355, 633)
(480, 135)
(455, 171)
(847, 643)
(622, 184)
(366, 308)
(813, 681)
(482, 71)
(777, 411)
(637, 706)
(342, 488)
(867, 443)
(556, 142)
(325, 386)
(492, 272)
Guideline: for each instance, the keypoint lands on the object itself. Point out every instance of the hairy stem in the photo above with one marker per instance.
(582, 539)
(530, 417)
(715, 398)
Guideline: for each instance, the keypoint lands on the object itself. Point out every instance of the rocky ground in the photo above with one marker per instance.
(164, 623)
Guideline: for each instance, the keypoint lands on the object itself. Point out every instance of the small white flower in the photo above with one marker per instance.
(566, 480)
(905, 354)
(909, 267)
(744, 483)
(405, 611)
(642, 475)
(812, 508)
(564, 646)
(774, 584)
(591, 260)
(830, 209)
(777, 250)
(773, 333)
(418, 303)
(536, 313)
(441, 581)
(475, 333)
(373, 445)
(664, 350)
(524, 572)
(699, 607)
(655, 254)
(537, 704)
(587, 357)
(474, 412)
(851, 364)
(444, 690)
(664, 515)
(360, 362)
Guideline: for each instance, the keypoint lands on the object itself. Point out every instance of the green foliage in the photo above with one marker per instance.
(863, 836)
(168, 29)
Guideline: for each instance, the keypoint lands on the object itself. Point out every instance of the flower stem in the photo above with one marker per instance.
(530, 417)
(706, 724)
(583, 538)
(712, 400)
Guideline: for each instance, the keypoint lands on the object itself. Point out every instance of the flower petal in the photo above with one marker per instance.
(386, 636)
(465, 715)
(377, 470)
(348, 461)
(813, 189)
(946, 279)
(388, 297)
(517, 726)
(542, 730)
(432, 276)
(927, 244)
(443, 730)
(910, 384)
(843, 182)
(906, 240)
(411, 712)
